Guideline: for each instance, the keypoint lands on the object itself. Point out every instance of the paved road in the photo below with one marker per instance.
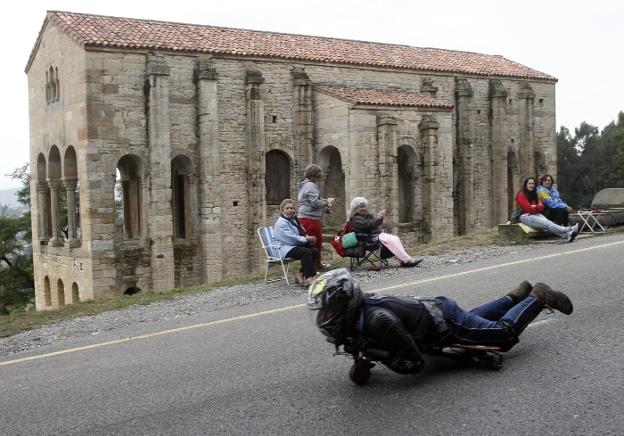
(255, 369)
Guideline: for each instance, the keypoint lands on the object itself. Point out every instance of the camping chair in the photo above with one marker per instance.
(273, 255)
(368, 250)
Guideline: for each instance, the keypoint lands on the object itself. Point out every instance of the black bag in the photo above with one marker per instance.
(515, 218)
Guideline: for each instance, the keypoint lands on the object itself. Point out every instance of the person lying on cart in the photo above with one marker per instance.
(400, 324)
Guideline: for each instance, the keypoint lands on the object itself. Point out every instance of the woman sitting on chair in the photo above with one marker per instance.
(291, 238)
(365, 222)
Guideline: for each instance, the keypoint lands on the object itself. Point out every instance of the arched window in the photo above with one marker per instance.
(43, 199)
(181, 170)
(70, 180)
(47, 293)
(129, 196)
(48, 89)
(57, 196)
(57, 85)
(277, 176)
(75, 293)
(406, 159)
(60, 292)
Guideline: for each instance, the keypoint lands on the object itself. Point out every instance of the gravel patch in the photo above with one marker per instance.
(219, 299)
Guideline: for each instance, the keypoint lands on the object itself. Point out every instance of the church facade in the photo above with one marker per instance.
(157, 149)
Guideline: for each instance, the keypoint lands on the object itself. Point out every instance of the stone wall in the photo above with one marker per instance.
(221, 115)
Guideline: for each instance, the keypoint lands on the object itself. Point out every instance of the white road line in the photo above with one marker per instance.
(296, 306)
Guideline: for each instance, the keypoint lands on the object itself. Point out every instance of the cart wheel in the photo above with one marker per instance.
(492, 361)
(360, 373)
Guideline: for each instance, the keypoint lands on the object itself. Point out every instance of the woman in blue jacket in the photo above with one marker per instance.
(556, 210)
(291, 239)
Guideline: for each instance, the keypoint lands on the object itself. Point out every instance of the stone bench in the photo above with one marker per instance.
(521, 232)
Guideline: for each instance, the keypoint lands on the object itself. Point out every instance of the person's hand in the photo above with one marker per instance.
(311, 239)
(330, 201)
(382, 213)
(569, 209)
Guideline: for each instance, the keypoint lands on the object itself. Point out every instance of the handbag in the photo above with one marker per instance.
(515, 218)
(337, 242)
(349, 240)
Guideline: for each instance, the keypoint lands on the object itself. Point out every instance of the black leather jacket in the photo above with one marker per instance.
(398, 324)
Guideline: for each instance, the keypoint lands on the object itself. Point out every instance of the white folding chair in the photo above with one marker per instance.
(273, 256)
(589, 217)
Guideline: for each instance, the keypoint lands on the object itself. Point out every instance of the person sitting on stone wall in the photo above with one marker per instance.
(531, 213)
(312, 206)
(365, 223)
(555, 209)
(293, 242)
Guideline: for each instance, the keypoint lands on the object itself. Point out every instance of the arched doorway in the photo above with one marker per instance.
(408, 179)
(333, 185)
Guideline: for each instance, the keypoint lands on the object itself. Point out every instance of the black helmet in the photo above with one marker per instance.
(334, 298)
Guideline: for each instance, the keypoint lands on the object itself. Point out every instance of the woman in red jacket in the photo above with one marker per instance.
(532, 212)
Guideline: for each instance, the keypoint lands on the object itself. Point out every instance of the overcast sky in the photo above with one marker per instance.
(579, 42)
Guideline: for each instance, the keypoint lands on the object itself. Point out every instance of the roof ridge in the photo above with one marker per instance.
(93, 30)
(271, 32)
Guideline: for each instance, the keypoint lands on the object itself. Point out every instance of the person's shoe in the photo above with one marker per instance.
(573, 232)
(324, 266)
(374, 268)
(414, 261)
(521, 291)
(551, 298)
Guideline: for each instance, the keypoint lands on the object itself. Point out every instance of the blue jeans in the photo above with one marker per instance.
(498, 322)
(539, 221)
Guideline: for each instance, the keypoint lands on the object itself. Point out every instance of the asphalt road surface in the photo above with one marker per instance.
(259, 370)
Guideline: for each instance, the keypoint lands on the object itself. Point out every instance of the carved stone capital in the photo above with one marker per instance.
(428, 122)
(497, 89)
(54, 184)
(42, 187)
(300, 77)
(386, 120)
(463, 88)
(70, 184)
(156, 65)
(427, 87)
(526, 91)
(205, 70)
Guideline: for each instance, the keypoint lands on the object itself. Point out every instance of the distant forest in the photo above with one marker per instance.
(589, 161)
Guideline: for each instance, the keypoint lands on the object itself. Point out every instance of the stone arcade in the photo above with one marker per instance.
(158, 148)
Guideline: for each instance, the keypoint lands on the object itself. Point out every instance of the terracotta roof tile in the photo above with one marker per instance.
(382, 97)
(103, 31)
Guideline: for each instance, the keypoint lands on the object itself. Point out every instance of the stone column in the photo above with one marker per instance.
(304, 126)
(526, 147)
(498, 144)
(72, 234)
(438, 179)
(54, 185)
(211, 195)
(256, 167)
(160, 222)
(388, 172)
(42, 216)
(465, 172)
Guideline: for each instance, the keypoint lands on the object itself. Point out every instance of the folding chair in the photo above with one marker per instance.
(273, 255)
(367, 250)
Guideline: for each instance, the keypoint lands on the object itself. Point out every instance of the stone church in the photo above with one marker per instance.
(157, 148)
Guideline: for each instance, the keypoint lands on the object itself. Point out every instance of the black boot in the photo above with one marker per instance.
(521, 292)
(551, 298)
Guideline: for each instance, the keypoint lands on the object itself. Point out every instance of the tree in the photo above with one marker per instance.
(16, 271)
